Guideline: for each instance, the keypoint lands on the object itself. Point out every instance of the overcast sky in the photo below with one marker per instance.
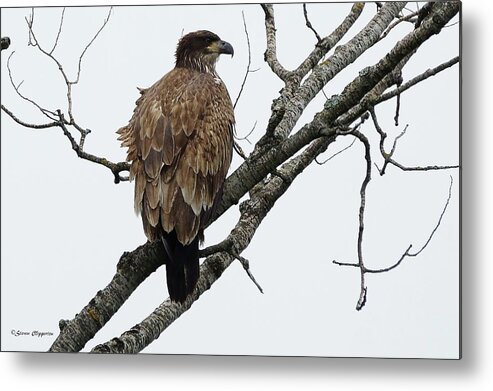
(65, 223)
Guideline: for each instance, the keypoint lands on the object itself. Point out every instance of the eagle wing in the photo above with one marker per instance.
(180, 141)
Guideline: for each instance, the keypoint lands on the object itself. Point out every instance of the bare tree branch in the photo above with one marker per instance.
(116, 168)
(265, 159)
(309, 25)
(132, 268)
(270, 55)
(361, 217)
(335, 154)
(57, 116)
(59, 31)
(252, 211)
(361, 265)
(48, 113)
(407, 253)
(324, 72)
(327, 43)
(34, 42)
(423, 76)
(388, 156)
(411, 17)
(28, 125)
(439, 220)
(90, 43)
(249, 60)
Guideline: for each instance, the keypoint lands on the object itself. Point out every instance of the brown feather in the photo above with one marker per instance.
(168, 195)
(152, 163)
(158, 137)
(152, 193)
(169, 145)
(140, 184)
(180, 143)
(185, 225)
(152, 214)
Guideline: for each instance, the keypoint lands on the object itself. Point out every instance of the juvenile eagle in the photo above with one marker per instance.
(180, 143)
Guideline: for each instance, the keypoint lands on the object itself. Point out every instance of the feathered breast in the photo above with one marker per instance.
(180, 141)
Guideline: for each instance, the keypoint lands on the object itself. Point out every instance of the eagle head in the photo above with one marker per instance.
(200, 50)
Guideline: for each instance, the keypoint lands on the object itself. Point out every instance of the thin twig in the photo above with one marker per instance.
(422, 168)
(239, 150)
(388, 156)
(407, 18)
(30, 23)
(326, 44)
(401, 134)
(335, 154)
(309, 25)
(248, 134)
(387, 269)
(227, 246)
(28, 125)
(452, 24)
(397, 110)
(249, 60)
(407, 253)
(116, 168)
(246, 266)
(90, 43)
(423, 76)
(34, 42)
(439, 220)
(48, 113)
(59, 31)
(361, 217)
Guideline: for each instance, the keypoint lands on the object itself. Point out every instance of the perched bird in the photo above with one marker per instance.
(180, 143)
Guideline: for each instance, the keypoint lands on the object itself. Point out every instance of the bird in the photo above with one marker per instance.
(179, 144)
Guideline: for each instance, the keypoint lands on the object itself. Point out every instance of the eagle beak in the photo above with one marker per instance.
(226, 48)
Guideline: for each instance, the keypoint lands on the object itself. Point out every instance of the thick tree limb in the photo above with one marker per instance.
(132, 268)
(295, 102)
(258, 165)
(253, 212)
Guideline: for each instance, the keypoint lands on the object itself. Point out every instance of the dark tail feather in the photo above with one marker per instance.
(182, 266)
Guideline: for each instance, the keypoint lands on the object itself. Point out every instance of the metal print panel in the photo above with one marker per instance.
(237, 179)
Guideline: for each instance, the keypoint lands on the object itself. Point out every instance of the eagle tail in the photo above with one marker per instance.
(182, 266)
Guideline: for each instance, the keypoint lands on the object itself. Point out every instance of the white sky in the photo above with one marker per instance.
(65, 224)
